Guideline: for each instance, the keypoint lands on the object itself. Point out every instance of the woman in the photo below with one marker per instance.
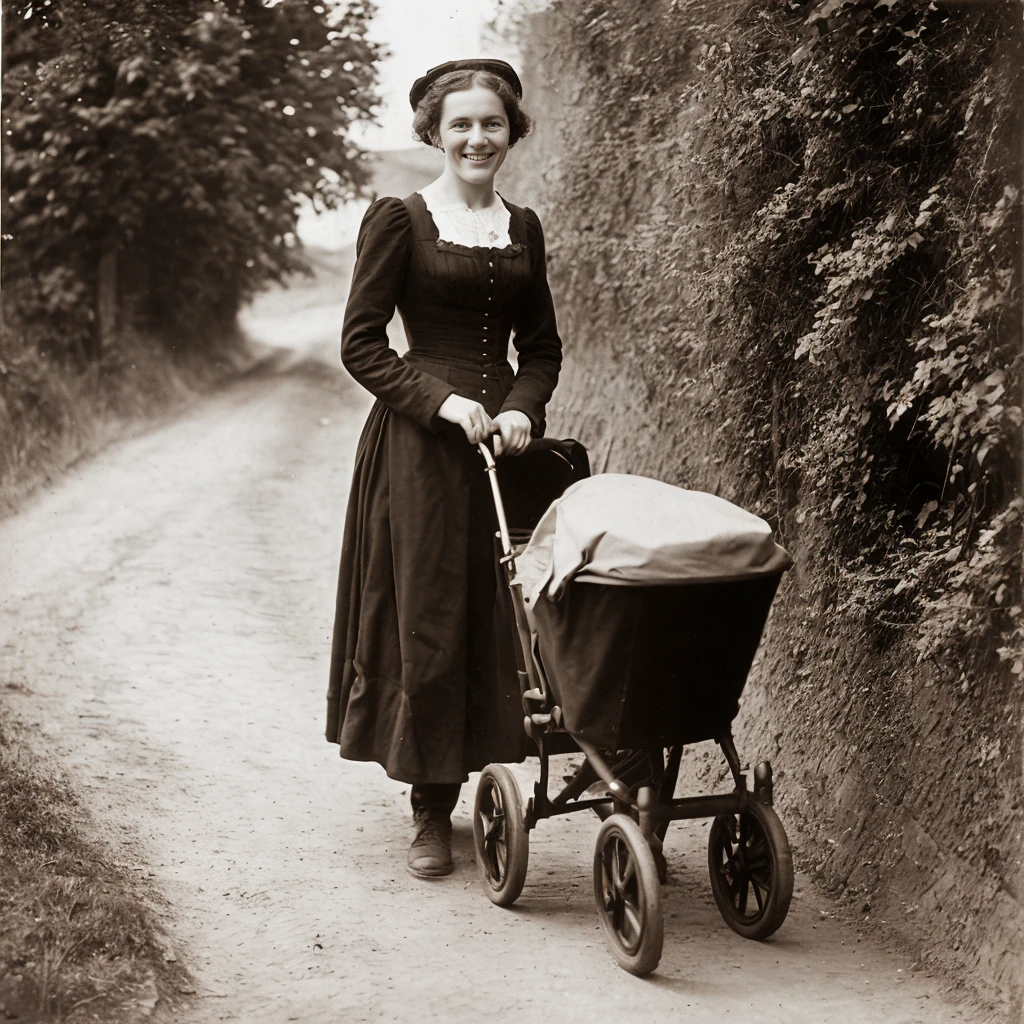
(422, 676)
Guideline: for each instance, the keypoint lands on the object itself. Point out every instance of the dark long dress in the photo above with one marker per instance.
(422, 673)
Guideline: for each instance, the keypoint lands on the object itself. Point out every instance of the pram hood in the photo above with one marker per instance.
(629, 530)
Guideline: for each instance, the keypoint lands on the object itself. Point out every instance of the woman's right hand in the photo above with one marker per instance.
(469, 415)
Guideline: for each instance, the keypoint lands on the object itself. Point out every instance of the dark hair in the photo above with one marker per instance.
(426, 124)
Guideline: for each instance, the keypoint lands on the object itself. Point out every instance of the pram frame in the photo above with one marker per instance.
(543, 716)
(651, 808)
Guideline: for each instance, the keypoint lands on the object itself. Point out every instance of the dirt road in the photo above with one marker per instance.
(168, 607)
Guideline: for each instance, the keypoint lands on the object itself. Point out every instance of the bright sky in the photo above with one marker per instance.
(421, 34)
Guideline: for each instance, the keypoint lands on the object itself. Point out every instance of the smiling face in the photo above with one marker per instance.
(474, 133)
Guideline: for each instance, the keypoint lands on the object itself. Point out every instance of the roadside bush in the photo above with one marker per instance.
(170, 140)
(878, 285)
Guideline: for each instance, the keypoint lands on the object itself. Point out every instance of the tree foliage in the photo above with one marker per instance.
(871, 148)
(842, 223)
(177, 135)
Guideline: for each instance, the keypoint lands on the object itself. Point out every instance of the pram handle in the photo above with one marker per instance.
(530, 672)
(499, 506)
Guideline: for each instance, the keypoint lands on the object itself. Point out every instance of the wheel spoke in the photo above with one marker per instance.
(734, 863)
(749, 874)
(757, 846)
(630, 872)
(744, 889)
(757, 894)
(494, 805)
(626, 894)
(759, 861)
(497, 807)
(762, 879)
(746, 865)
(496, 825)
(631, 917)
(618, 873)
(500, 838)
(492, 821)
(739, 883)
(617, 869)
(607, 886)
(627, 868)
(617, 908)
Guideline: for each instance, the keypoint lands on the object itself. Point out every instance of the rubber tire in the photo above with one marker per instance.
(642, 956)
(780, 872)
(501, 888)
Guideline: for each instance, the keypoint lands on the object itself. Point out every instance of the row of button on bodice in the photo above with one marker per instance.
(490, 298)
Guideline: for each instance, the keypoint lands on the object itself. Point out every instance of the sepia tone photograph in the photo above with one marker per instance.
(511, 511)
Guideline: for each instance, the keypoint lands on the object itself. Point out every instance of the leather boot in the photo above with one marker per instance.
(430, 855)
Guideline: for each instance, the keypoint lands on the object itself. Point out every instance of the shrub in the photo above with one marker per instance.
(877, 276)
(157, 149)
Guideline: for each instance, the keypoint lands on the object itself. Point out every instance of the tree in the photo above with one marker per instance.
(156, 149)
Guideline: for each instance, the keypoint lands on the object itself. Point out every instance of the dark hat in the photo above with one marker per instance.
(496, 67)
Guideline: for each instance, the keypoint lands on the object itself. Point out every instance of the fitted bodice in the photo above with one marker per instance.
(459, 305)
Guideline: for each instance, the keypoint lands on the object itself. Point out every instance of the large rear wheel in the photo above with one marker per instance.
(628, 895)
(499, 835)
(751, 870)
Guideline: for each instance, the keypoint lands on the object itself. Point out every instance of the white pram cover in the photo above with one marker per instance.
(616, 528)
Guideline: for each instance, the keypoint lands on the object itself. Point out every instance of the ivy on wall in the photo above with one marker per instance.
(784, 240)
(877, 278)
(843, 229)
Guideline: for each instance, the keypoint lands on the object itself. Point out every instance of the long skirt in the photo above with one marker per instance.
(423, 677)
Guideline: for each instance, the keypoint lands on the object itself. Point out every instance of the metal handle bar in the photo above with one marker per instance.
(499, 506)
(527, 658)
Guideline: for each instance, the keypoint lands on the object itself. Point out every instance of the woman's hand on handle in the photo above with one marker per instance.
(512, 432)
(469, 415)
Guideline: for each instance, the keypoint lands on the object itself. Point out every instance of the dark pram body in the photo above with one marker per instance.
(657, 665)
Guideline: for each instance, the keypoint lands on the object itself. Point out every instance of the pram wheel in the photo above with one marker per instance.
(751, 869)
(499, 835)
(628, 895)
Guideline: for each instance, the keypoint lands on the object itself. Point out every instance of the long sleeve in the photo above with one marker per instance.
(382, 254)
(536, 338)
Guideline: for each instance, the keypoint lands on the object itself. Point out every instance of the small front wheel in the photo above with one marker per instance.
(751, 869)
(628, 895)
(499, 835)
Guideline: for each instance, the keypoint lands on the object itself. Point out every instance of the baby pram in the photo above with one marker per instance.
(627, 650)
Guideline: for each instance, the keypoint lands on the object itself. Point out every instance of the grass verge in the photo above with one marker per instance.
(54, 413)
(79, 940)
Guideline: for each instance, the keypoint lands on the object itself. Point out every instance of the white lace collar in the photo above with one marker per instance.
(456, 222)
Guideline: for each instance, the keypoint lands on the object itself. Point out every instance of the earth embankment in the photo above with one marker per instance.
(900, 773)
